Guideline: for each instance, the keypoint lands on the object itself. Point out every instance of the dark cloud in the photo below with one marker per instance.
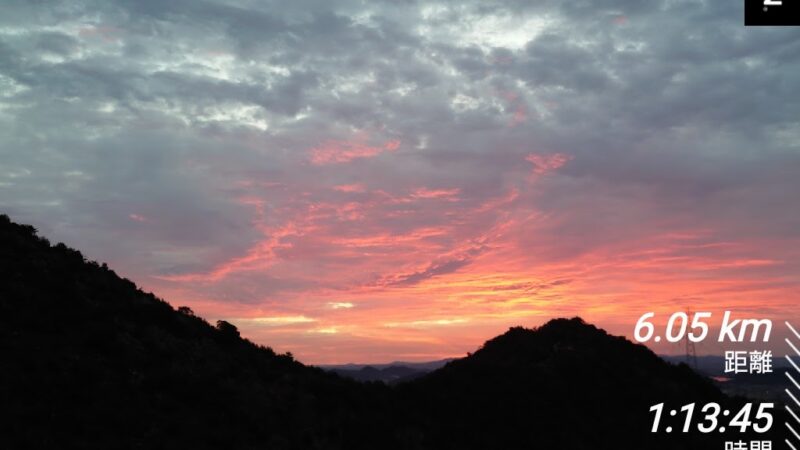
(432, 271)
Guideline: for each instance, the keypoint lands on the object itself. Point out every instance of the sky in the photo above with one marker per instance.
(374, 181)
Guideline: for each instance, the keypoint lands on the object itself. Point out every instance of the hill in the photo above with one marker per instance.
(566, 384)
(92, 362)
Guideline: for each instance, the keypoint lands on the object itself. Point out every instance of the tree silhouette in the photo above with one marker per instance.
(227, 329)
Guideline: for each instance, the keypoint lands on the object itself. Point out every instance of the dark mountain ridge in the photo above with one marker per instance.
(552, 382)
(390, 374)
(424, 366)
(91, 361)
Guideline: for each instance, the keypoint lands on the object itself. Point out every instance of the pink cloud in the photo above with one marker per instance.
(515, 103)
(447, 194)
(334, 152)
(543, 163)
(520, 116)
(356, 187)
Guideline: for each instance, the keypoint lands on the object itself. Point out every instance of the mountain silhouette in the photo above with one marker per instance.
(566, 384)
(391, 374)
(92, 362)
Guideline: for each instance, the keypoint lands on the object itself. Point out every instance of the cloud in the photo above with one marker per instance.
(334, 152)
(433, 270)
(276, 320)
(341, 305)
(326, 330)
(350, 187)
(421, 160)
(428, 323)
(546, 163)
(447, 194)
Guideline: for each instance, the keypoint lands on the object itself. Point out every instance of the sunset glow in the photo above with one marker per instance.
(406, 182)
(425, 273)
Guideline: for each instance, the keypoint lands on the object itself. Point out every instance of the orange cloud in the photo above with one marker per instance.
(433, 278)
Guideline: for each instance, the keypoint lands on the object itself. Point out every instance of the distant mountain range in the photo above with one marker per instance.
(399, 371)
(425, 366)
(89, 361)
(394, 372)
